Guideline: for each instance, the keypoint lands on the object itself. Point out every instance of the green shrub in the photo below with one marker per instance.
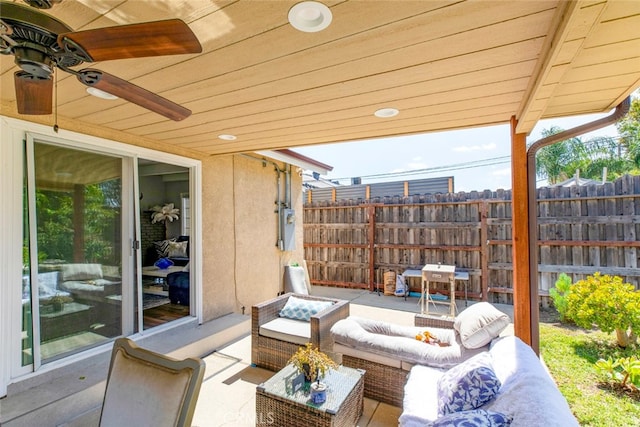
(608, 303)
(559, 296)
(627, 376)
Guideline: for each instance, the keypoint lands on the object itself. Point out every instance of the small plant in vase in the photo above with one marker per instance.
(312, 362)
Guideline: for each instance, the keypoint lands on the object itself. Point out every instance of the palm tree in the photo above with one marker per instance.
(564, 159)
(629, 130)
(552, 161)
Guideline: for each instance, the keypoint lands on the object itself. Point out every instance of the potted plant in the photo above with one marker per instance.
(58, 301)
(312, 362)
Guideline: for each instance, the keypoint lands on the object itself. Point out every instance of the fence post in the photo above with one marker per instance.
(484, 249)
(371, 218)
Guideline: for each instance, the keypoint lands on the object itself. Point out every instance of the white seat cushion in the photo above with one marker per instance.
(288, 330)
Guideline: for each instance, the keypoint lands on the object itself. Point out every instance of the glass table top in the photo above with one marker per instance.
(339, 383)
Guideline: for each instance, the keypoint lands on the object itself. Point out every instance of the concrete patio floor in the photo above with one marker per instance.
(227, 397)
(71, 395)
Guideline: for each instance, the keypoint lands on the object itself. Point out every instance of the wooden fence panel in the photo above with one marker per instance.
(581, 230)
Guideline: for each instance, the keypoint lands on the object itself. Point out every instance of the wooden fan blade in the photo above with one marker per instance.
(34, 95)
(170, 37)
(132, 93)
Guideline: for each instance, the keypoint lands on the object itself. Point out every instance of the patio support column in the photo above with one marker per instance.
(522, 315)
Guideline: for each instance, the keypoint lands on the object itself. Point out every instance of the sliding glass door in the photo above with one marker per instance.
(72, 272)
(91, 239)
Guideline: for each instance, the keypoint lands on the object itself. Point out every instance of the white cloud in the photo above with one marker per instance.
(483, 147)
(416, 165)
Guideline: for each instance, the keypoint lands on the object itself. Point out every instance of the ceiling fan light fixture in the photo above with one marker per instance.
(227, 137)
(100, 93)
(310, 16)
(386, 112)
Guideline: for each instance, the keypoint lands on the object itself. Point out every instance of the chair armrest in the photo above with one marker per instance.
(434, 322)
(266, 311)
(322, 322)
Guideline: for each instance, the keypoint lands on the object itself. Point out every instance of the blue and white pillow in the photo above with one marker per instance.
(474, 418)
(467, 386)
(303, 309)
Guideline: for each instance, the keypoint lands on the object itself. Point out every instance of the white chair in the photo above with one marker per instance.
(145, 388)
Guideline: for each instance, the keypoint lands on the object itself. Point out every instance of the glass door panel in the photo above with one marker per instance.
(27, 317)
(164, 224)
(78, 219)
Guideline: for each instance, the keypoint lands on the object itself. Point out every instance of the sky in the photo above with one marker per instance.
(460, 149)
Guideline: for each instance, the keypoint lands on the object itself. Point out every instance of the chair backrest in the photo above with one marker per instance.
(145, 388)
(294, 280)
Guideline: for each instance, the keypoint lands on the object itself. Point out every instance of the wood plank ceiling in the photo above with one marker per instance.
(443, 64)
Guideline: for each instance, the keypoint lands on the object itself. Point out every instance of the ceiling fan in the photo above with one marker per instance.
(40, 43)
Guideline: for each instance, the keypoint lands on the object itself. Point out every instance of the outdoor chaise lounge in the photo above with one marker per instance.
(283, 324)
(388, 351)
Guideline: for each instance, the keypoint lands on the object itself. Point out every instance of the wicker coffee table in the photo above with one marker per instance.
(343, 407)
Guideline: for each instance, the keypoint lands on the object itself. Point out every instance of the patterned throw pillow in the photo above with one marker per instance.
(177, 249)
(467, 386)
(303, 309)
(162, 247)
(474, 418)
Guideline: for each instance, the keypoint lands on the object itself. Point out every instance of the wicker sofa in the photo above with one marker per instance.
(274, 339)
(388, 352)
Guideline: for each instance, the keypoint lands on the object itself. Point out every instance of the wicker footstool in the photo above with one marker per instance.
(343, 407)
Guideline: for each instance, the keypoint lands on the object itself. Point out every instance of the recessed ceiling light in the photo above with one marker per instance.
(227, 137)
(100, 93)
(310, 16)
(386, 112)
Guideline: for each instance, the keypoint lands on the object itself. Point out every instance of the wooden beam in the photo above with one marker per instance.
(534, 104)
(520, 236)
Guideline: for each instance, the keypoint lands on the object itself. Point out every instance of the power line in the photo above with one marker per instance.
(445, 168)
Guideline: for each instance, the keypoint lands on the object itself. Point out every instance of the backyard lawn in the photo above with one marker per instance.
(570, 353)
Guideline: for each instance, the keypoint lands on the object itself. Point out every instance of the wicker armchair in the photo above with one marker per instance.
(385, 383)
(272, 353)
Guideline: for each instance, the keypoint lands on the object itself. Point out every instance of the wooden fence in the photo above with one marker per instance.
(581, 230)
